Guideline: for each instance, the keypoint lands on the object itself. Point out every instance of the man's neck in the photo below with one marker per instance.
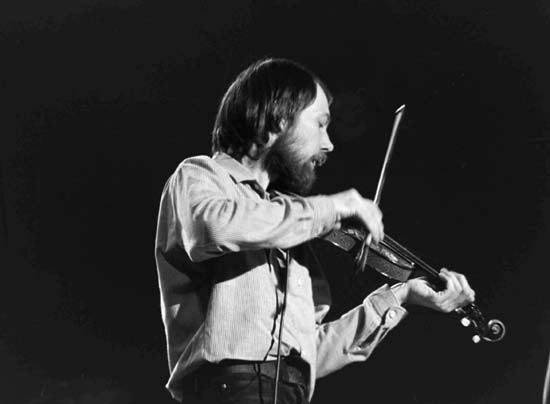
(256, 167)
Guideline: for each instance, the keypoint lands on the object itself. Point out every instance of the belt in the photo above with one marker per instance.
(292, 370)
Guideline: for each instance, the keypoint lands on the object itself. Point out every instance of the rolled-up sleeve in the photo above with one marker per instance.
(354, 336)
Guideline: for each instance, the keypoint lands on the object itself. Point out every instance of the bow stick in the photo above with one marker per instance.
(361, 258)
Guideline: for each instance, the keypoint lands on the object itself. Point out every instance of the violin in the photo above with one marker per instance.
(394, 261)
(391, 259)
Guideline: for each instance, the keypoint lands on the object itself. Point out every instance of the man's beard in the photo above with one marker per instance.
(288, 171)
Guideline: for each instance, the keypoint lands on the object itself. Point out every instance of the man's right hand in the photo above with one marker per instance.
(350, 204)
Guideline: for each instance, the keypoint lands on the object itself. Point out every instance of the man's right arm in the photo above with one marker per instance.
(215, 219)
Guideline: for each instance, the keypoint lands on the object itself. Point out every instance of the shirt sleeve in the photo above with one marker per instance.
(215, 217)
(354, 336)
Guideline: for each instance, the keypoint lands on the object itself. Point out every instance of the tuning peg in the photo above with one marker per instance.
(476, 339)
(465, 321)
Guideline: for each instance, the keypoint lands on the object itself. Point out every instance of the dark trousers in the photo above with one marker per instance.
(236, 382)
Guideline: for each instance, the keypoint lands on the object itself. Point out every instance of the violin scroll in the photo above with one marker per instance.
(490, 331)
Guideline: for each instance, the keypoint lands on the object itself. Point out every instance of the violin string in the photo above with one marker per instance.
(399, 249)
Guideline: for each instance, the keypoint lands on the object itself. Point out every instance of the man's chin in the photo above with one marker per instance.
(291, 175)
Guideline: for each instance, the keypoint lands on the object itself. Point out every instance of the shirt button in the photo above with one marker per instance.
(391, 314)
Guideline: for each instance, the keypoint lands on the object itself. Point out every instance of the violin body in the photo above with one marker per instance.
(384, 260)
(394, 261)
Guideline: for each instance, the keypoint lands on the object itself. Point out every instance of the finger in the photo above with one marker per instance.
(375, 227)
(452, 297)
(379, 216)
(466, 289)
(463, 292)
(376, 235)
(452, 287)
(456, 283)
(378, 211)
(374, 215)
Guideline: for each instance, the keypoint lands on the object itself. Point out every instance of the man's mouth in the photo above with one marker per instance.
(318, 160)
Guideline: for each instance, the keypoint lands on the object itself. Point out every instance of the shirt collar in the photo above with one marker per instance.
(239, 172)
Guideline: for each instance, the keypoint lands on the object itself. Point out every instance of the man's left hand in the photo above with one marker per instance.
(457, 292)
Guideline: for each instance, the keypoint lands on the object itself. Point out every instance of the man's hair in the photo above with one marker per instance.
(263, 98)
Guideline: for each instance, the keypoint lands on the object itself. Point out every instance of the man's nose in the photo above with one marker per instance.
(326, 144)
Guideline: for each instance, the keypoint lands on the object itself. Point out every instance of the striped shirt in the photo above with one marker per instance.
(221, 248)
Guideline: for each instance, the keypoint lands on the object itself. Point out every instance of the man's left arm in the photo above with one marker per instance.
(354, 336)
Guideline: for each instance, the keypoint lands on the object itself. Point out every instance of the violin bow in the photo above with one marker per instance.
(361, 258)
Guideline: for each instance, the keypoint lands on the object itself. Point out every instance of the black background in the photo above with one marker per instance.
(101, 100)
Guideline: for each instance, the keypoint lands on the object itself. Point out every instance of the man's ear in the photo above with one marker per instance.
(283, 125)
(272, 138)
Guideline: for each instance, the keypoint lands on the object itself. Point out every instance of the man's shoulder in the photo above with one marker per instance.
(201, 169)
(196, 161)
(200, 163)
(221, 166)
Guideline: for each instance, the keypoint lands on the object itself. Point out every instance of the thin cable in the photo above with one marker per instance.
(281, 324)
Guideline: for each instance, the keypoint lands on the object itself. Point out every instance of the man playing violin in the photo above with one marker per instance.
(242, 294)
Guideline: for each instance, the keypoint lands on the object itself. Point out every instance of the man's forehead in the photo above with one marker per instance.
(320, 105)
